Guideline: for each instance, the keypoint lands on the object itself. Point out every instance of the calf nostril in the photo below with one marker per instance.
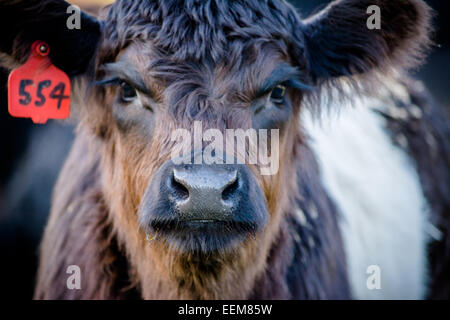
(179, 190)
(230, 188)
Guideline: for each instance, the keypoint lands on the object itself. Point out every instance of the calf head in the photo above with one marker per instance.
(146, 69)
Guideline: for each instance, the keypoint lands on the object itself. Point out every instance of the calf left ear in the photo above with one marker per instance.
(24, 21)
(339, 41)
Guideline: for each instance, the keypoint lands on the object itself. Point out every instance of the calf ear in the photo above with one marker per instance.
(340, 43)
(24, 21)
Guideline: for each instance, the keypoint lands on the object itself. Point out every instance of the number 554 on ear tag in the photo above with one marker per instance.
(39, 90)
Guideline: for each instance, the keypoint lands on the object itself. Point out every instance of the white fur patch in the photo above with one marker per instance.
(383, 210)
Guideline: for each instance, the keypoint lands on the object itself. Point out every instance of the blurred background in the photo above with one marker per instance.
(32, 156)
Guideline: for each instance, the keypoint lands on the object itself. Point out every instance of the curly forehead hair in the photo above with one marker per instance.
(197, 29)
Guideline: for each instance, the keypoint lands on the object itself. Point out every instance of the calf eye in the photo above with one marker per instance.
(127, 92)
(277, 95)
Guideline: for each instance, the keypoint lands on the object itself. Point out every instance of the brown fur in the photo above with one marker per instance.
(206, 60)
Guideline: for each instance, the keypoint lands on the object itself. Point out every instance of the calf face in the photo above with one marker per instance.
(161, 66)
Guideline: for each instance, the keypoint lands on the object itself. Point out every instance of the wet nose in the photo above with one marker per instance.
(204, 192)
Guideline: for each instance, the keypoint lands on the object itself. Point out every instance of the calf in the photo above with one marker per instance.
(141, 225)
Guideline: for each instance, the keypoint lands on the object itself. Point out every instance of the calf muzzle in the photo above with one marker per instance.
(199, 207)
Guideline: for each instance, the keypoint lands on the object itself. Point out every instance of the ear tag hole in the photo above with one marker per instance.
(42, 49)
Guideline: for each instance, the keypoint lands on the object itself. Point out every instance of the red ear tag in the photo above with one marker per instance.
(39, 90)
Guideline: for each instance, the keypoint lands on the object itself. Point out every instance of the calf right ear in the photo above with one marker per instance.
(24, 21)
(340, 43)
